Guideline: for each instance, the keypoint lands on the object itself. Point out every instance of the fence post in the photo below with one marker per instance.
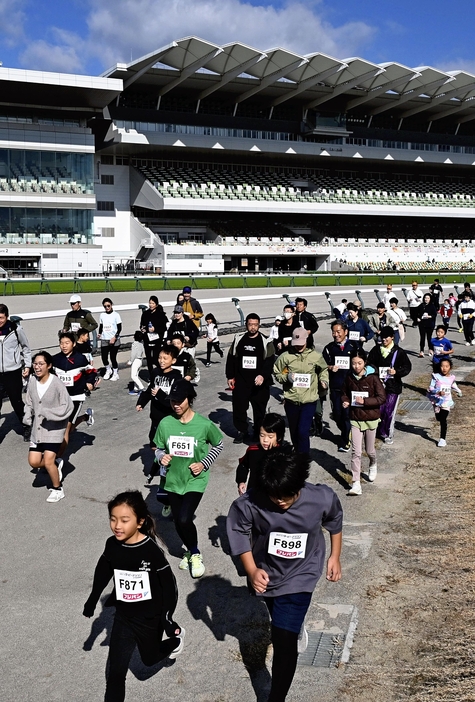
(358, 295)
(138, 284)
(332, 306)
(376, 292)
(287, 297)
(238, 307)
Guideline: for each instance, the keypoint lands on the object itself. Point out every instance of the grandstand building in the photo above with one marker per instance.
(206, 158)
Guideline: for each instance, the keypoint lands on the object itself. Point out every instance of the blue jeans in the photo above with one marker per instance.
(300, 419)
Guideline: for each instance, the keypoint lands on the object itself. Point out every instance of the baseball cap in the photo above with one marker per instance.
(300, 336)
(278, 317)
(187, 289)
(74, 298)
(178, 309)
(181, 390)
(357, 303)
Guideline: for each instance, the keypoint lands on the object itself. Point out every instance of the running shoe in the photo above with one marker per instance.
(90, 417)
(355, 488)
(115, 376)
(197, 567)
(185, 561)
(207, 365)
(345, 448)
(442, 443)
(108, 373)
(388, 440)
(302, 641)
(134, 392)
(372, 473)
(59, 464)
(55, 495)
(179, 649)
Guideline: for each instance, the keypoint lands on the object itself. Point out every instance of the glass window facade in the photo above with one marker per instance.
(31, 225)
(46, 171)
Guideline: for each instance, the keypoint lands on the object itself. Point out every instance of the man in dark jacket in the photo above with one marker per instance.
(392, 364)
(78, 318)
(184, 326)
(249, 366)
(15, 364)
(306, 319)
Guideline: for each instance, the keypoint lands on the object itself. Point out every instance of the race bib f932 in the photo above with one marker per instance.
(132, 586)
(287, 545)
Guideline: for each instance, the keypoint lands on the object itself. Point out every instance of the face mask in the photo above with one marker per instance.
(287, 315)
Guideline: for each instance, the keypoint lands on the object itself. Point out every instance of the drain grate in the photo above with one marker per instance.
(324, 650)
(416, 405)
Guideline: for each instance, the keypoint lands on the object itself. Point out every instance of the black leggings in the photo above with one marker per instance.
(210, 345)
(425, 334)
(284, 662)
(183, 511)
(126, 634)
(151, 354)
(113, 351)
(441, 417)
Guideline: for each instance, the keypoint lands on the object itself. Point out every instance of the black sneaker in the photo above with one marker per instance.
(27, 434)
(239, 439)
(318, 427)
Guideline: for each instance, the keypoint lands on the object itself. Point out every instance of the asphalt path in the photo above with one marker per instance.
(49, 551)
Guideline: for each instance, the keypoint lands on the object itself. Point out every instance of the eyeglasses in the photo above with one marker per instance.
(38, 365)
(107, 307)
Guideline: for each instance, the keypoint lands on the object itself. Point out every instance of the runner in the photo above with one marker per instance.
(276, 529)
(15, 362)
(153, 325)
(426, 318)
(144, 596)
(364, 394)
(271, 436)
(187, 446)
(110, 328)
(74, 370)
(440, 394)
(185, 362)
(47, 410)
(414, 300)
(158, 390)
(78, 318)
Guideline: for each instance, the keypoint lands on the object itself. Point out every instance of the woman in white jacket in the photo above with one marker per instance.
(48, 407)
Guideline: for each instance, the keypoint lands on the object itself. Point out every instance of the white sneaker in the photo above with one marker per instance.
(355, 488)
(108, 373)
(115, 376)
(467, 343)
(302, 641)
(176, 651)
(185, 561)
(90, 417)
(372, 473)
(55, 495)
(59, 464)
(473, 342)
(442, 443)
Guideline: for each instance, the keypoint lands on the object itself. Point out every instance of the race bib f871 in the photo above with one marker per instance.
(132, 586)
(287, 545)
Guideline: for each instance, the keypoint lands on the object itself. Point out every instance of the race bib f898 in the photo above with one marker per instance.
(287, 545)
(132, 586)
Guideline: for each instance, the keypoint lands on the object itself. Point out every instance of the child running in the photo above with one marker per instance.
(440, 394)
(187, 446)
(137, 352)
(276, 530)
(271, 436)
(144, 595)
(110, 328)
(211, 336)
(47, 409)
(364, 394)
(441, 346)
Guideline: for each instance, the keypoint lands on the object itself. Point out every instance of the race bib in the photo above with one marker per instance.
(438, 350)
(182, 446)
(342, 362)
(383, 373)
(108, 327)
(354, 335)
(287, 545)
(302, 380)
(75, 326)
(354, 395)
(466, 316)
(132, 586)
(249, 362)
(152, 337)
(65, 377)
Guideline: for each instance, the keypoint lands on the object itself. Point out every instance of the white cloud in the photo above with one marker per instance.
(42, 55)
(119, 29)
(12, 20)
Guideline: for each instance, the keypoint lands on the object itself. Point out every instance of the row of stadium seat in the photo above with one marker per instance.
(43, 186)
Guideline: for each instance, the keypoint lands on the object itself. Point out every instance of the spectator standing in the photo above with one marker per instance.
(392, 364)
(466, 314)
(248, 371)
(301, 371)
(15, 364)
(110, 328)
(78, 318)
(426, 318)
(306, 319)
(153, 325)
(414, 300)
(337, 356)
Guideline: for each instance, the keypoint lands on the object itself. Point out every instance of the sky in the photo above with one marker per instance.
(90, 36)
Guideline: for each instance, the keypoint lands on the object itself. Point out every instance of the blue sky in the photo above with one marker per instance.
(88, 36)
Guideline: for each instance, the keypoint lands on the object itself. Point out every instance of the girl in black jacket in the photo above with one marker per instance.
(144, 594)
(153, 325)
(426, 318)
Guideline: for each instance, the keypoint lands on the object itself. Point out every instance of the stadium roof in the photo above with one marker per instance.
(277, 75)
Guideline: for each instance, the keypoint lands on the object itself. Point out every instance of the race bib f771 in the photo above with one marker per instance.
(287, 545)
(132, 586)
